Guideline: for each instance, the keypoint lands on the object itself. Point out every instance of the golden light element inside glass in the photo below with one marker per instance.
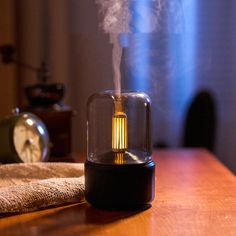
(119, 132)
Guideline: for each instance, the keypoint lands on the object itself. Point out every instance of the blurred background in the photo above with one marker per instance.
(188, 66)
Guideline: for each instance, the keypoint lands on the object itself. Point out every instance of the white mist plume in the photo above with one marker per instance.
(116, 19)
(116, 15)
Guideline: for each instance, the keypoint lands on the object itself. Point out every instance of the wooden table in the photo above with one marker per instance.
(195, 195)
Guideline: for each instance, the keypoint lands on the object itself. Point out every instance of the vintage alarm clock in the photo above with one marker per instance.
(23, 138)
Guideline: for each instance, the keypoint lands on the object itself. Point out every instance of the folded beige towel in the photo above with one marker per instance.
(32, 186)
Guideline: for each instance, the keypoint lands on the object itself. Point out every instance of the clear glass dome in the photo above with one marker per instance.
(119, 128)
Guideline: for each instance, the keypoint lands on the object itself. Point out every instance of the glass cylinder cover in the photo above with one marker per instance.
(119, 128)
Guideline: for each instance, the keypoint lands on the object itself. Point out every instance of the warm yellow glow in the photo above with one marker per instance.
(119, 158)
(119, 129)
(119, 132)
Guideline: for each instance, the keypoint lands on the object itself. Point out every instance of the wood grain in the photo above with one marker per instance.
(195, 195)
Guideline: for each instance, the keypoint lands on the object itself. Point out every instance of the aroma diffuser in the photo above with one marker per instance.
(119, 171)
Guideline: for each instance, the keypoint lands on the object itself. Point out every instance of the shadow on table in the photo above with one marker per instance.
(79, 218)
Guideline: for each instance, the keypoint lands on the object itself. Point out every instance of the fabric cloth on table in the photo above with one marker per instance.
(28, 187)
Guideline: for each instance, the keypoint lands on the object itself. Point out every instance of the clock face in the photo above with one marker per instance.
(29, 139)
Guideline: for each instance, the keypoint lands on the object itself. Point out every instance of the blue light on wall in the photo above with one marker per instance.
(137, 60)
(182, 54)
(163, 59)
(193, 49)
(177, 25)
(182, 50)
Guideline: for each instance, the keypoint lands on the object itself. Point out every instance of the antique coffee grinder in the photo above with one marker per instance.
(45, 101)
(119, 171)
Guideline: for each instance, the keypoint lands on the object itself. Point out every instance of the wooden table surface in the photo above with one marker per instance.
(195, 195)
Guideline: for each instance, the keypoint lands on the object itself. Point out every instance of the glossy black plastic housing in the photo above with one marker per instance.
(120, 186)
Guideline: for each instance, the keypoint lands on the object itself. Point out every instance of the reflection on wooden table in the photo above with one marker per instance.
(195, 195)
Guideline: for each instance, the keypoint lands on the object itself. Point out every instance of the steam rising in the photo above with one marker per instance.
(116, 61)
(116, 15)
(120, 16)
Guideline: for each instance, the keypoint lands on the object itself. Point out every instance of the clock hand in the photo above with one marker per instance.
(27, 149)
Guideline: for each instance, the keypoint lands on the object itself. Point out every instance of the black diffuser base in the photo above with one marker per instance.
(127, 186)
